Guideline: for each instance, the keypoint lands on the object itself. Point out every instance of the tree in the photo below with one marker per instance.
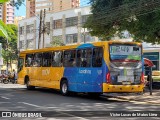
(9, 45)
(2, 1)
(57, 41)
(141, 18)
(15, 3)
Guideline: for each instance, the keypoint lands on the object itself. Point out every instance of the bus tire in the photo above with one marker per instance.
(64, 88)
(29, 87)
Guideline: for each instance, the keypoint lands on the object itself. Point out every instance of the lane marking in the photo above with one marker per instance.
(30, 104)
(56, 111)
(145, 102)
(5, 98)
(4, 102)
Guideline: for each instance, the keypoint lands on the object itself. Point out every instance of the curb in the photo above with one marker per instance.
(131, 99)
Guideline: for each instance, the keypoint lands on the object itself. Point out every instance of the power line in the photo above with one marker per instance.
(116, 10)
(125, 10)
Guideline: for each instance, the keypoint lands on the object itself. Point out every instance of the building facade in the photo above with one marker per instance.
(18, 18)
(30, 8)
(64, 26)
(153, 54)
(7, 13)
(35, 6)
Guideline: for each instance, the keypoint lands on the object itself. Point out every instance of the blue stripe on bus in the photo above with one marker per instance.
(83, 79)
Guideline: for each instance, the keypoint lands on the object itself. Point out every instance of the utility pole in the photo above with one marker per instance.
(40, 27)
(44, 28)
(84, 35)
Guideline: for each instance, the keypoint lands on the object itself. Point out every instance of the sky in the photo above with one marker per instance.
(22, 8)
(21, 11)
(84, 3)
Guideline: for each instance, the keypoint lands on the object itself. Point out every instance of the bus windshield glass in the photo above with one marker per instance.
(120, 52)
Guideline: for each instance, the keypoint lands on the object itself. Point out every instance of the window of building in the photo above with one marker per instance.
(37, 61)
(48, 27)
(154, 57)
(57, 59)
(69, 59)
(97, 57)
(21, 44)
(60, 7)
(84, 19)
(71, 38)
(87, 37)
(57, 24)
(84, 57)
(21, 30)
(29, 28)
(29, 43)
(47, 59)
(71, 21)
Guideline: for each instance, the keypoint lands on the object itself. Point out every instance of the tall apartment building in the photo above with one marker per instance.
(1, 13)
(30, 8)
(34, 6)
(7, 13)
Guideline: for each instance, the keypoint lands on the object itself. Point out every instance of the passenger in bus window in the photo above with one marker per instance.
(89, 56)
(35, 63)
(53, 59)
(79, 61)
(73, 58)
(84, 63)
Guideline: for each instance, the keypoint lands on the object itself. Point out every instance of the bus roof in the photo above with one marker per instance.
(100, 43)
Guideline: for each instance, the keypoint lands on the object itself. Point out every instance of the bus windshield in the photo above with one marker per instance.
(123, 52)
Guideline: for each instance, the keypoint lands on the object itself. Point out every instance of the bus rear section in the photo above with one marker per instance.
(125, 72)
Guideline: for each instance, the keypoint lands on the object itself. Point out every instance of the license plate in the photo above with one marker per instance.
(126, 82)
(129, 72)
(126, 78)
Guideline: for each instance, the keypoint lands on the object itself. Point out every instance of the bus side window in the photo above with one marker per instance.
(28, 60)
(20, 64)
(97, 57)
(37, 60)
(47, 59)
(86, 57)
(69, 58)
(79, 55)
(57, 59)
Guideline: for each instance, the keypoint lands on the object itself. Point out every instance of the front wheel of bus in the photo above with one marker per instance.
(64, 88)
(29, 87)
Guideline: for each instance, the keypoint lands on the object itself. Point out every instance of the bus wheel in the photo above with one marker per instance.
(29, 87)
(64, 88)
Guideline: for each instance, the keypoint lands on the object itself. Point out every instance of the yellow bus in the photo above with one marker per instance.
(100, 67)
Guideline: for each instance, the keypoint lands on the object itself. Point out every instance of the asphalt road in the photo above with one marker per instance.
(19, 99)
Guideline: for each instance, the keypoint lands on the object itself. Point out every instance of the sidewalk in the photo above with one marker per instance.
(10, 85)
(146, 97)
